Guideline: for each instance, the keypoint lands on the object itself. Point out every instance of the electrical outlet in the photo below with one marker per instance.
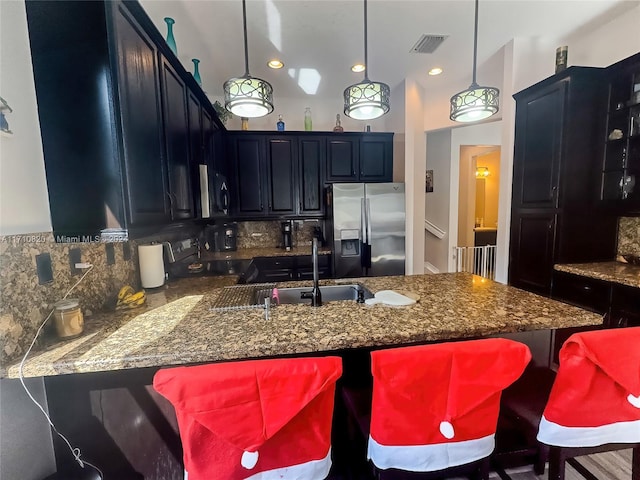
(43, 268)
(126, 251)
(111, 253)
(75, 256)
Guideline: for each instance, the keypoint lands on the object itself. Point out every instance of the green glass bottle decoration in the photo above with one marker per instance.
(171, 41)
(307, 119)
(196, 71)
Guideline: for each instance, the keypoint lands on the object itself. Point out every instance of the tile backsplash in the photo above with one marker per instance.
(629, 235)
(269, 233)
(24, 303)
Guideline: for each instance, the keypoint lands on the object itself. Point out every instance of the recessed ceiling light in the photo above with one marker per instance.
(358, 67)
(435, 71)
(275, 64)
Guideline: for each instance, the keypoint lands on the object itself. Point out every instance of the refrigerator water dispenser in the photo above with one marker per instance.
(349, 243)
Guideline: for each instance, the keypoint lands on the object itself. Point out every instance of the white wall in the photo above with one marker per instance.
(24, 202)
(323, 115)
(394, 122)
(602, 44)
(26, 451)
(436, 250)
(415, 157)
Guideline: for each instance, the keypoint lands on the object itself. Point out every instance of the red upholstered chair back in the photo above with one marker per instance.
(436, 406)
(240, 419)
(595, 399)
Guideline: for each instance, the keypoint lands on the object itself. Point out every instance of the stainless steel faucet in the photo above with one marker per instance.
(315, 295)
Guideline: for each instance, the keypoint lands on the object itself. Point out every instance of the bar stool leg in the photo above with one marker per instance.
(635, 464)
(484, 469)
(541, 459)
(556, 463)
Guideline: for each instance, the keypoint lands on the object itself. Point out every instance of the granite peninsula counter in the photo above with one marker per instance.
(615, 272)
(177, 326)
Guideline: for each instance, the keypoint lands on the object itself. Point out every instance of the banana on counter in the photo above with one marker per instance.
(129, 298)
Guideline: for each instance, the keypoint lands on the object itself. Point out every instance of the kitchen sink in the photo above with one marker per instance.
(330, 293)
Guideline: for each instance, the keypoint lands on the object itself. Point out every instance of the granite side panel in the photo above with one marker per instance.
(629, 236)
(24, 303)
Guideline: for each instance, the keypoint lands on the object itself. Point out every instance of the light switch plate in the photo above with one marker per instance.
(43, 268)
(75, 256)
(111, 253)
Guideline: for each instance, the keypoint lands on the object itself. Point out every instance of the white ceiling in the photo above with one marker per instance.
(319, 40)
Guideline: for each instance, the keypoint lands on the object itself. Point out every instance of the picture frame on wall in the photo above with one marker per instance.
(429, 181)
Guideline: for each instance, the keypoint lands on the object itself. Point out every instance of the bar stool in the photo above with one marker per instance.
(593, 405)
(254, 419)
(434, 408)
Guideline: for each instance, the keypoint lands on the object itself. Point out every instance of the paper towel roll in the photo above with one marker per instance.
(151, 265)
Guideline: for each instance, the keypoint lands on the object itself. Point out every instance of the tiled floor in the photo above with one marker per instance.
(605, 466)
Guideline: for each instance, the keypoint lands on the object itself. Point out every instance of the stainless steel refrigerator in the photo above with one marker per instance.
(367, 222)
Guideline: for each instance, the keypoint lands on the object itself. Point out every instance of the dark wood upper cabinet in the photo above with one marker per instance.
(342, 159)
(281, 162)
(360, 157)
(539, 147)
(196, 148)
(119, 159)
(176, 131)
(620, 191)
(556, 216)
(248, 153)
(376, 157)
(311, 154)
(141, 117)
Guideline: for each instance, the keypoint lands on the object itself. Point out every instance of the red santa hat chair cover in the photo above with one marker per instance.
(258, 420)
(436, 406)
(595, 399)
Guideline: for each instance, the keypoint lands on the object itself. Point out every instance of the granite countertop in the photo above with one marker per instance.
(177, 326)
(616, 272)
(249, 253)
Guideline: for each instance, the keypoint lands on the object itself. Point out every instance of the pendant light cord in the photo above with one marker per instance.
(246, 48)
(366, 60)
(475, 45)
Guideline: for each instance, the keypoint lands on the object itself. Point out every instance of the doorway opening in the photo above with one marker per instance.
(478, 200)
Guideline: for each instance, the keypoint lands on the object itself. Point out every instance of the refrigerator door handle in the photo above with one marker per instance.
(368, 217)
(363, 221)
(365, 252)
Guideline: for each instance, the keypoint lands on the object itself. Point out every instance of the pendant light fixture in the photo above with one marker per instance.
(366, 100)
(247, 96)
(476, 102)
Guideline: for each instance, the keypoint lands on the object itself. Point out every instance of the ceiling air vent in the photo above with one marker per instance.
(428, 43)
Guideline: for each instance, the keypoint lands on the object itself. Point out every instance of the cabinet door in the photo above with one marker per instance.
(538, 147)
(247, 155)
(532, 248)
(177, 142)
(311, 153)
(625, 307)
(141, 117)
(342, 159)
(281, 159)
(196, 148)
(376, 158)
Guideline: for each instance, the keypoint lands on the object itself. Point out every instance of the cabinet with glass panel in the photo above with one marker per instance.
(621, 165)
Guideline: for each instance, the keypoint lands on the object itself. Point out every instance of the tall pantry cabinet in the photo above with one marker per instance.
(556, 215)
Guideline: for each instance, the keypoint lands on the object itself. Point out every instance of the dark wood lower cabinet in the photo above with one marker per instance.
(618, 304)
(532, 250)
(285, 269)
